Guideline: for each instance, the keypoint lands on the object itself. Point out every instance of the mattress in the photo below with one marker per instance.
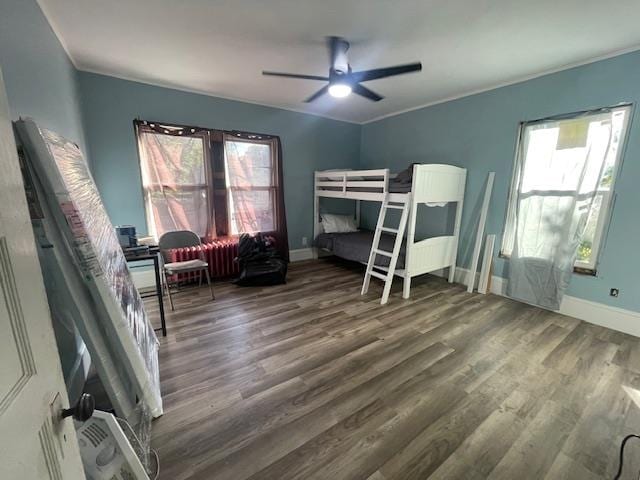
(356, 246)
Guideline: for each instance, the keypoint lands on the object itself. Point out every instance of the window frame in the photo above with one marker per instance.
(202, 134)
(219, 213)
(609, 194)
(271, 188)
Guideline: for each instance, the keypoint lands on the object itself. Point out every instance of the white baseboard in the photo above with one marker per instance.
(625, 321)
(301, 254)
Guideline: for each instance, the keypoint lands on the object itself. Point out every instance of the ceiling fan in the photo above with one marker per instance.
(342, 80)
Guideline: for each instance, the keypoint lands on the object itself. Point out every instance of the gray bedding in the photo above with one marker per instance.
(397, 187)
(356, 246)
(402, 181)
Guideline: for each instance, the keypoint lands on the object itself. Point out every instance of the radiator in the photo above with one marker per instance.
(219, 254)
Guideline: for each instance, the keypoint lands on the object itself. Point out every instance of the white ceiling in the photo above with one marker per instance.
(220, 47)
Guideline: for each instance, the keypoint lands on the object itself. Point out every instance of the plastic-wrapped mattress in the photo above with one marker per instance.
(88, 276)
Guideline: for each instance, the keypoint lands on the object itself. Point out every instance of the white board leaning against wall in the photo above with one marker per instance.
(89, 276)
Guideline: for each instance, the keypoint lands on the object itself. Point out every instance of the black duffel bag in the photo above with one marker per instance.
(260, 264)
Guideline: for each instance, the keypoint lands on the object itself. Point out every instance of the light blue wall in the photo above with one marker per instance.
(40, 80)
(479, 133)
(110, 105)
(42, 83)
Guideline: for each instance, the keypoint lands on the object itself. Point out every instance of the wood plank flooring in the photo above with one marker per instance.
(309, 380)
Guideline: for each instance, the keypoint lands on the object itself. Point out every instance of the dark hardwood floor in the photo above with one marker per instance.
(310, 380)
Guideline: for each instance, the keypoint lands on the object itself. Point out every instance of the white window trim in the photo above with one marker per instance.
(603, 219)
(229, 187)
(606, 209)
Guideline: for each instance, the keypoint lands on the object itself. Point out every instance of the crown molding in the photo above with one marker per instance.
(526, 78)
(57, 32)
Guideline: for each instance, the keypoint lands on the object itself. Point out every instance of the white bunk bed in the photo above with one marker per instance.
(432, 185)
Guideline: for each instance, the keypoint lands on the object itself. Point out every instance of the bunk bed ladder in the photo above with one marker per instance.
(372, 270)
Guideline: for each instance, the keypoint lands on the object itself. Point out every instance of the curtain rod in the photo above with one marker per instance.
(578, 114)
(175, 129)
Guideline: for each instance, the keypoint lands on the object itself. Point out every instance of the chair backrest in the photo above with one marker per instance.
(177, 239)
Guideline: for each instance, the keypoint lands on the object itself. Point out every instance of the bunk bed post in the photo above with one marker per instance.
(411, 236)
(316, 216)
(456, 234)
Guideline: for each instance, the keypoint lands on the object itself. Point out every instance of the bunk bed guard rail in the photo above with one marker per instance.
(356, 184)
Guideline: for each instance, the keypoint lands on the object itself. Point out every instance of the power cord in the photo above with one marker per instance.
(622, 445)
(155, 453)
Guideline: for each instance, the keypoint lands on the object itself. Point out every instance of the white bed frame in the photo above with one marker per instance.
(433, 185)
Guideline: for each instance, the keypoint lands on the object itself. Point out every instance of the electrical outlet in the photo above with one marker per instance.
(304, 241)
(614, 292)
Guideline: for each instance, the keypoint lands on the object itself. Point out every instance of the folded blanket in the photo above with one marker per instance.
(402, 181)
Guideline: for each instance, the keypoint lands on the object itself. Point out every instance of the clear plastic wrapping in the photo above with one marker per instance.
(99, 285)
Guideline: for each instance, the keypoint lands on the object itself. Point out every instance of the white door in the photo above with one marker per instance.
(34, 444)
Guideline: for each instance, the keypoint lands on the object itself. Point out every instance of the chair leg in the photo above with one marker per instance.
(166, 282)
(206, 272)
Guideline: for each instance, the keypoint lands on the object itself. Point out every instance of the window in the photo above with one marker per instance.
(550, 152)
(174, 181)
(215, 183)
(251, 183)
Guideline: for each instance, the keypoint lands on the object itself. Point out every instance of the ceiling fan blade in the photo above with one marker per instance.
(318, 94)
(295, 75)
(376, 73)
(366, 93)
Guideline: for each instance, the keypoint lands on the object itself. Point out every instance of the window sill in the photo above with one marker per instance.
(576, 270)
(584, 271)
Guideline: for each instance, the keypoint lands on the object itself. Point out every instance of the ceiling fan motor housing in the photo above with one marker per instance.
(341, 62)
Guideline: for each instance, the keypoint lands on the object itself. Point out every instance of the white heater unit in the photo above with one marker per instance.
(106, 452)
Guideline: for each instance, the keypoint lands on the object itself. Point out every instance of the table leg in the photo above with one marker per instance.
(156, 266)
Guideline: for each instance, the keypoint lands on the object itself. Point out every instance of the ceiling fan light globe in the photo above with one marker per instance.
(339, 90)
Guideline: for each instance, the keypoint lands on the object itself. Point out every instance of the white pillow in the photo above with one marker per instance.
(338, 223)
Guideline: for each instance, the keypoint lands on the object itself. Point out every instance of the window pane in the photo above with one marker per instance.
(248, 164)
(252, 211)
(250, 178)
(554, 162)
(174, 181)
(180, 210)
(585, 250)
(172, 161)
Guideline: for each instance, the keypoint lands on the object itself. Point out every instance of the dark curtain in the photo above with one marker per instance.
(282, 238)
